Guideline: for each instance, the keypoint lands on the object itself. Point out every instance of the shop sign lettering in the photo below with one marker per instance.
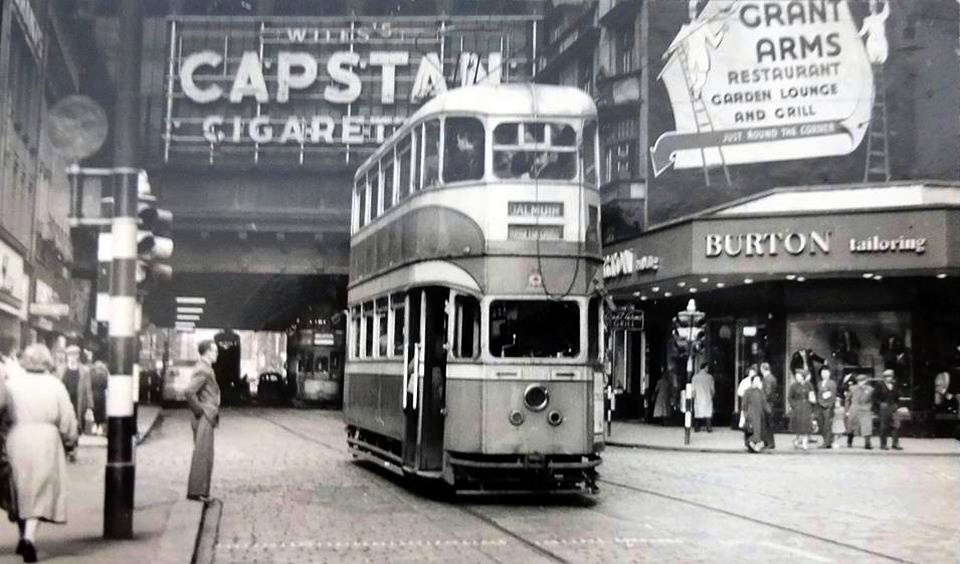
(769, 80)
(877, 244)
(625, 262)
(767, 244)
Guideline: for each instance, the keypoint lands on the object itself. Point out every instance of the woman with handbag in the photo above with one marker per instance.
(44, 423)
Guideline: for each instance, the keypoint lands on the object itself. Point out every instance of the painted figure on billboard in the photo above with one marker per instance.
(875, 33)
(766, 80)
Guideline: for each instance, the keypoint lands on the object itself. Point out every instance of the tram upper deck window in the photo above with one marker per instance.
(403, 167)
(362, 217)
(388, 186)
(431, 154)
(534, 329)
(532, 150)
(375, 204)
(463, 149)
(588, 154)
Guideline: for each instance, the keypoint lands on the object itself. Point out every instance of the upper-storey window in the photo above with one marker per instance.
(463, 149)
(403, 167)
(531, 150)
(431, 153)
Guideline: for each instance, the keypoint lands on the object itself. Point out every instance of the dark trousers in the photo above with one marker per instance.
(768, 439)
(889, 424)
(700, 421)
(201, 465)
(826, 425)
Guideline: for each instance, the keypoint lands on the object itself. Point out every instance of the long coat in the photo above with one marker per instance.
(800, 410)
(44, 421)
(661, 406)
(203, 398)
(703, 390)
(754, 407)
(859, 417)
(84, 391)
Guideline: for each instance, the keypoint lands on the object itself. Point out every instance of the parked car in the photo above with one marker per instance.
(176, 379)
(271, 388)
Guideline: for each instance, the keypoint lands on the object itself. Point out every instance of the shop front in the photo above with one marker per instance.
(13, 293)
(859, 279)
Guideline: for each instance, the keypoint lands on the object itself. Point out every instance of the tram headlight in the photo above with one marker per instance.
(536, 397)
(516, 418)
(554, 418)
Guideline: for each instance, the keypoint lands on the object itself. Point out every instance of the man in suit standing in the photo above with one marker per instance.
(889, 398)
(826, 399)
(770, 392)
(203, 398)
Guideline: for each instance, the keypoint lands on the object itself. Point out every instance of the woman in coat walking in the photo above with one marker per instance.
(801, 409)
(661, 406)
(755, 412)
(43, 423)
(859, 417)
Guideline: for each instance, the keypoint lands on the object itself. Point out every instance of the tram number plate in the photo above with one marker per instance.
(628, 320)
(534, 232)
(535, 209)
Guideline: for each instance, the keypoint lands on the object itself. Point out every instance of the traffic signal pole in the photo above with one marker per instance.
(120, 477)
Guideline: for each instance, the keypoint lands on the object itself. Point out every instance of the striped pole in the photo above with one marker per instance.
(120, 472)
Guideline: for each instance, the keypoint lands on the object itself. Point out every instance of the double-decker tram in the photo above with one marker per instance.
(474, 336)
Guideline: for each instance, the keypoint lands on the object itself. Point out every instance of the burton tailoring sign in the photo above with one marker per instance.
(768, 80)
(310, 87)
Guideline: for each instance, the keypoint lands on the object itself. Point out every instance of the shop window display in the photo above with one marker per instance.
(851, 344)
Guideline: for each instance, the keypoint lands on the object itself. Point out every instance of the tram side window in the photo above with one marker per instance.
(466, 331)
(403, 167)
(368, 330)
(593, 330)
(431, 153)
(361, 203)
(387, 168)
(399, 322)
(534, 329)
(374, 178)
(355, 330)
(382, 326)
(532, 150)
(463, 149)
(415, 152)
(588, 154)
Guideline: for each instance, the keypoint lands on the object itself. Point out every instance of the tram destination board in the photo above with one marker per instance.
(625, 320)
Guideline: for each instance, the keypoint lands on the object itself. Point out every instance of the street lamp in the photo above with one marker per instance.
(688, 334)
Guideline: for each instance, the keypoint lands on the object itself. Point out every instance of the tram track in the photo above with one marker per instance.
(770, 524)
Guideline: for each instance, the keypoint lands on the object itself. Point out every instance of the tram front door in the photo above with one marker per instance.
(426, 378)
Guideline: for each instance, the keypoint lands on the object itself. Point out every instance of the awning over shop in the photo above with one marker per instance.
(868, 231)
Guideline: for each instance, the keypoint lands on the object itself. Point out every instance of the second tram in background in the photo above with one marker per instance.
(475, 329)
(315, 361)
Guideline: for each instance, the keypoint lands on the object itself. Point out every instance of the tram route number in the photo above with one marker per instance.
(625, 320)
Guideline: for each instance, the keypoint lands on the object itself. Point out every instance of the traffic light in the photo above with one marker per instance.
(154, 245)
(689, 330)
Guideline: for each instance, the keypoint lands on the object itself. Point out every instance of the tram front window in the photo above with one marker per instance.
(532, 150)
(534, 329)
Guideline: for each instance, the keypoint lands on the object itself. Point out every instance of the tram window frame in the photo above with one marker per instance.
(415, 151)
(382, 326)
(389, 181)
(376, 202)
(366, 326)
(471, 129)
(362, 218)
(430, 173)
(593, 329)
(398, 309)
(525, 149)
(404, 177)
(357, 330)
(590, 134)
(466, 345)
(526, 331)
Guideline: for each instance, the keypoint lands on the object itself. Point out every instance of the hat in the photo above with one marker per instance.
(36, 358)
(861, 376)
(888, 372)
(72, 349)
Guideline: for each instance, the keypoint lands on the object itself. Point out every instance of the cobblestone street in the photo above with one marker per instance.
(292, 493)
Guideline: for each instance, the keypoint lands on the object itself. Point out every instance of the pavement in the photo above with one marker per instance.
(165, 523)
(722, 439)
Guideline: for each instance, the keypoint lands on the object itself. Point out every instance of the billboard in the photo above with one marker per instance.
(316, 91)
(746, 95)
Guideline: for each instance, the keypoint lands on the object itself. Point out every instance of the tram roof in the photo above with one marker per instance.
(518, 99)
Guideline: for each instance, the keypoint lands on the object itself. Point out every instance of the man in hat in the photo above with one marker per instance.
(203, 398)
(888, 397)
(76, 378)
(826, 396)
(860, 412)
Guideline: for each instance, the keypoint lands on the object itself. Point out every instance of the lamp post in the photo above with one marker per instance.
(688, 320)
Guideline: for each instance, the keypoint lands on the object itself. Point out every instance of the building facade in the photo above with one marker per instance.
(761, 125)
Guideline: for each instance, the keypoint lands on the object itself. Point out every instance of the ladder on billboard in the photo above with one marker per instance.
(701, 117)
(877, 168)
